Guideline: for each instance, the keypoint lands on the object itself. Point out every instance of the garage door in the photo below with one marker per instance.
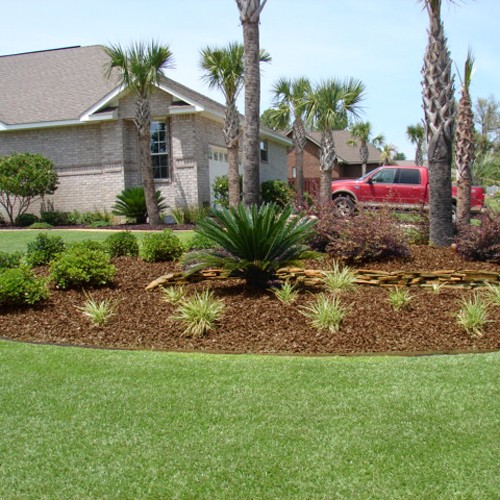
(217, 166)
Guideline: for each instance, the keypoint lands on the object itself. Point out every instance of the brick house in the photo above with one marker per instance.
(58, 103)
(347, 165)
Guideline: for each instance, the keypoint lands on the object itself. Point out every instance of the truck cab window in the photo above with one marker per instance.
(385, 176)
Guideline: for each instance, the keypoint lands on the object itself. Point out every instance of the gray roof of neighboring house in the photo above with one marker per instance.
(346, 153)
(63, 84)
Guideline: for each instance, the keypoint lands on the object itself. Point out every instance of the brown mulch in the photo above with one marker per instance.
(258, 322)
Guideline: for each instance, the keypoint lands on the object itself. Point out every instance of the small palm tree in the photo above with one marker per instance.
(140, 70)
(224, 69)
(249, 16)
(464, 145)
(252, 242)
(438, 103)
(362, 132)
(387, 155)
(290, 99)
(330, 107)
(416, 135)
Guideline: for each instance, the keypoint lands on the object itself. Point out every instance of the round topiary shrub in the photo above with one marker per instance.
(20, 286)
(122, 244)
(79, 266)
(44, 249)
(277, 192)
(160, 247)
(26, 219)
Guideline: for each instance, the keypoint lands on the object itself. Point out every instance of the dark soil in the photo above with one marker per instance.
(257, 321)
(118, 227)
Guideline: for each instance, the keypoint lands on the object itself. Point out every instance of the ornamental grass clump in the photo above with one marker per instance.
(339, 278)
(473, 316)
(326, 313)
(252, 242)
(173, 294)
(399, 298)
(199, 313)
(493, 294)
(286, 293)
(98, 312)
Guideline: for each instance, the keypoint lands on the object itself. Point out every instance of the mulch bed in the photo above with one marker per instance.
(257, 322)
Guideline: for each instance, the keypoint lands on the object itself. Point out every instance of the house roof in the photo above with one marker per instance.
(68, 85)
(346, 153)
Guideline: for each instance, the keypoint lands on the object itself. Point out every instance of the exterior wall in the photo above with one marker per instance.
(88, 159)
(276, 167)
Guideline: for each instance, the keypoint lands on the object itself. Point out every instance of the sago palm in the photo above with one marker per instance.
(416, 135)
(330, 107)
(252, 242)
(464, 145)
(250, 11)
(438, 103)
(361, 132)
(140, 70)
(224, 69)
(290, 99)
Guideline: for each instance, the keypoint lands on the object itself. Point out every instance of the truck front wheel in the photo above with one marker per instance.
(344, 206)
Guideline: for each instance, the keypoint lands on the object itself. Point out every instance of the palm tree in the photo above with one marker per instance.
(387, 155)
(249, 16)
(140, 70)
(224, 69)
(464, 145)
(438, 104)
(362, 132)
(290, 99)
(330, 107)
(416, 135)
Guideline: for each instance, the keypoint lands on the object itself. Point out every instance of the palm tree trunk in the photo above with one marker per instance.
(251, 179)
(326, 161)
(299, 140)
(143, 124)
(233, 176)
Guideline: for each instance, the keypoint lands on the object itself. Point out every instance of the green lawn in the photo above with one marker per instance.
(82, 423)
(16, 240)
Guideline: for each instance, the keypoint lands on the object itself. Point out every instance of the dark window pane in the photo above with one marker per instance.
(409, 176)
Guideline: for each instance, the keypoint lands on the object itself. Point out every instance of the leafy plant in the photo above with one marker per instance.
(325, 313)
(54, 218)
(339, 278)
(173, 294)
(88, 218)
(40, 225)
(189, 215)
(25, 177)
(276, 191)
(493, 294)
(79, 266)
(98, 246)
(199, 242)
(26, 219)
(131, 204)
(252, 243)
(286, 293)
(436, 288)
(399, 298)
(220, 190)
(473, 316)
(160, 247)
(9, 260)
(43, 249)
(199, 313)
(481, 242)
(122, 243)
(20, 286)
(98, 312)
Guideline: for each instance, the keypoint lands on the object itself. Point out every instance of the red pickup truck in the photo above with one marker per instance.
(394, 186)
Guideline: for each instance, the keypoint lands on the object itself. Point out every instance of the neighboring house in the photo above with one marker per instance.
(59, 104)
(347, 165)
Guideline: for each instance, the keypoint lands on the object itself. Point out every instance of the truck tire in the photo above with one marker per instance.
(344, 206)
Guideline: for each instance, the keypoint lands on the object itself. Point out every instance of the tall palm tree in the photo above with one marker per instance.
(290, 99)
(464, 145)
(416, 135)
(362, 132)
(249, 16)
(330, 107)
(140, 70)
(224, 69)
(438, 104)
(387, 155)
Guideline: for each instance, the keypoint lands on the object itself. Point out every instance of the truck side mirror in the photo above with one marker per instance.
(369, 180)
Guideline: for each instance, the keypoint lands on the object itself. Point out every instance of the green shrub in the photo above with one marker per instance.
(9, 260)
(40, 225)
(26, 219)
(200, 242)
(79, 266)
(101, 223)
(131, 204)
(88, 218)
(55, 218)
(43, 249)
(220, 190)
(123, 243)
(20, 286)
(160, 247)
(189, 215)
(252, 243)
(2, 220)
(98, 246)
(277, 192)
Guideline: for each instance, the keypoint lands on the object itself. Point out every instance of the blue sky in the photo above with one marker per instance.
(381, 42)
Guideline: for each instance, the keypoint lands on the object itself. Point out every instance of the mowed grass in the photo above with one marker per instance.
(16, 240)
(83, 423)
